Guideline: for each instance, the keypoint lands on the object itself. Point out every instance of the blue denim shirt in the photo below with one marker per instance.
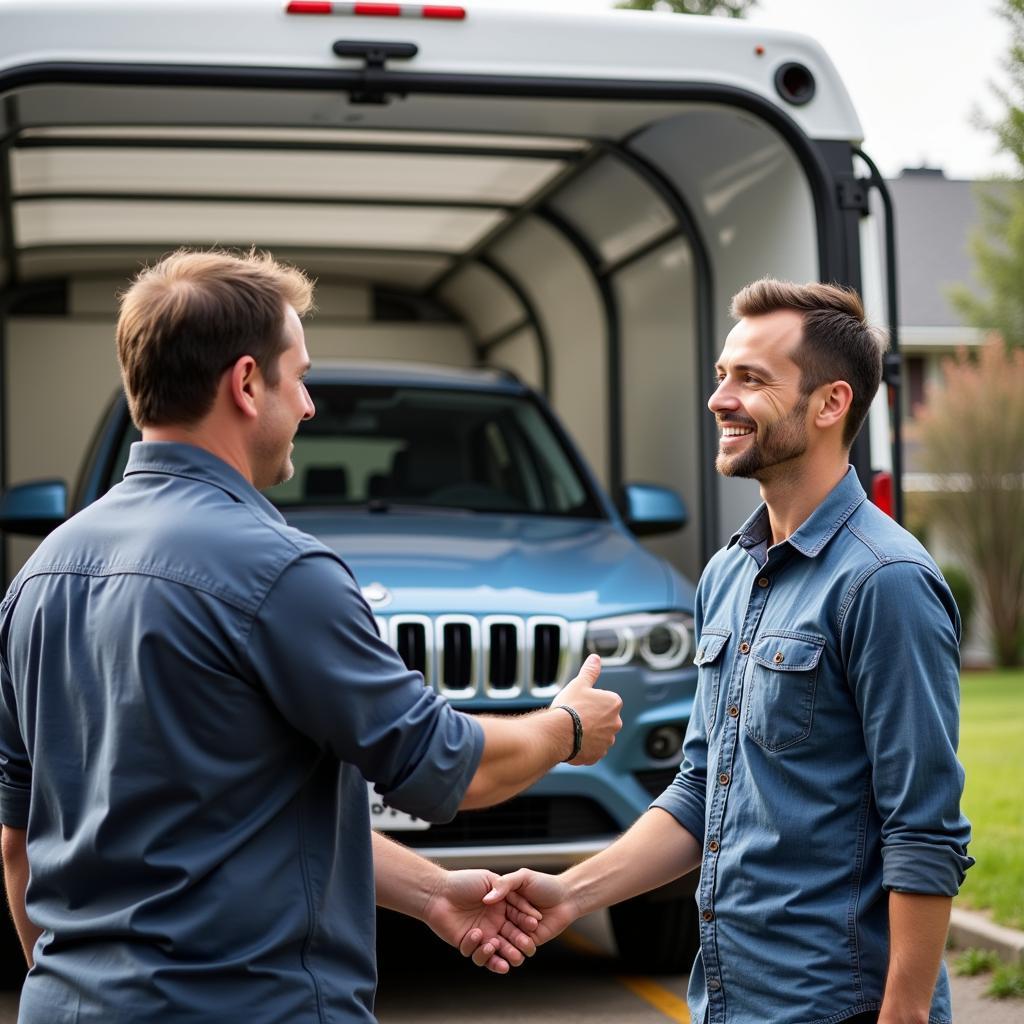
(192, 695)
(820, 765)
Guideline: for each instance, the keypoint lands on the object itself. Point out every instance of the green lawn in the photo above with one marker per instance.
(992, 752)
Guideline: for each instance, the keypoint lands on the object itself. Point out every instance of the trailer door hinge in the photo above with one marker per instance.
(372, 88)
(853, 194)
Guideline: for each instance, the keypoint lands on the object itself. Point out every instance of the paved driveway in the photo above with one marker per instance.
(575, 981)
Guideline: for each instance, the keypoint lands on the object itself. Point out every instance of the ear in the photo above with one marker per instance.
(831, 404)
(245, 382)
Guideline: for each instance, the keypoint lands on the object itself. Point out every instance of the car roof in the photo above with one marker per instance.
(405, 374)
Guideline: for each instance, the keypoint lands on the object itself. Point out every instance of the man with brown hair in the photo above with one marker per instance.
(819, 793)
(193, 693)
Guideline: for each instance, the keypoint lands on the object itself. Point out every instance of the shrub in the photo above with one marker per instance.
(963, 593)
(972, 439)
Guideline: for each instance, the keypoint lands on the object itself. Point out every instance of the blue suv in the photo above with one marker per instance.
(494, 563)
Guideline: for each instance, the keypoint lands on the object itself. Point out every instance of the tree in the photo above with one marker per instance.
(972, 438)
(728, 8)
(998, 246)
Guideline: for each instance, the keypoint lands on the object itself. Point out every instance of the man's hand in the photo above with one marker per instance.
(598, 711)
(494, 935)
(541, 903)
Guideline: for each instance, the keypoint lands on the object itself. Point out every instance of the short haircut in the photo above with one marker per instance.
(837, 342)
(187, 319)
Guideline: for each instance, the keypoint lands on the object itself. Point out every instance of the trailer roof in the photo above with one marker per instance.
(130, 127)
(626, 45)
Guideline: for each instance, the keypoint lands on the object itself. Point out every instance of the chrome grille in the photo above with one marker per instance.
(499, 656)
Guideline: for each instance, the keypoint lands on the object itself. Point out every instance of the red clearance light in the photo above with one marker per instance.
(881, 491)
(445, 12)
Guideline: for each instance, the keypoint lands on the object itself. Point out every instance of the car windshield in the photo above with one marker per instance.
(402, 447)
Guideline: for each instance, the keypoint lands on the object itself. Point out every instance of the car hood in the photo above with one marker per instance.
(491, 564)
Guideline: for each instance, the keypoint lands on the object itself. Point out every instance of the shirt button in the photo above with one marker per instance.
(708, 915)
(744, 647)
(763, 581)
(724, 778)
(778, 659)
(714, 984)
(733, 711)
(713, 846)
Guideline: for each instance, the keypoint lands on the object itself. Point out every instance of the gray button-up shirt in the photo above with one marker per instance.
(820, 764)
(192, 695)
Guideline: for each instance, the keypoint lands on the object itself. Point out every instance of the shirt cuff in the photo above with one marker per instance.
(686, 808)
(434, 790)
(14, 802)
(924, 868)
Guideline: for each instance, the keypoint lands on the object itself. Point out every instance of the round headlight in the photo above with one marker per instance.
(666, 645)
(615, 646)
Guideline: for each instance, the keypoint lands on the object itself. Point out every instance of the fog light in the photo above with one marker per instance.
(664, 742)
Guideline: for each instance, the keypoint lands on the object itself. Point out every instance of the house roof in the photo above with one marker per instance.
(935, 220)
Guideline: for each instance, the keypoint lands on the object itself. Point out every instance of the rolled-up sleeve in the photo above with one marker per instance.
(314, 647)
(900, 635)
(685, 796)
(15, 767)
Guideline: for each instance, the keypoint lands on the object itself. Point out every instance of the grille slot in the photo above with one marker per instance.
(457, 655)
(411, 644)
(547, 643)
(503, 661)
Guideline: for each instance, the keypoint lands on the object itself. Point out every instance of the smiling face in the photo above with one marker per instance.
(759, 405)
(285, 406)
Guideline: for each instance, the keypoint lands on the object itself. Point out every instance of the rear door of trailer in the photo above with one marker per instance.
(573, 198)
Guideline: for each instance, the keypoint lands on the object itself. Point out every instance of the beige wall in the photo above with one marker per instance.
(60, 376)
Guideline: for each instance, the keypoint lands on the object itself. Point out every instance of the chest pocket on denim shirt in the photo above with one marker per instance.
(780, 694)
(709, 661)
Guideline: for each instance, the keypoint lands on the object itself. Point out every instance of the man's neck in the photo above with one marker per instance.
(796, 491)
(201, 436)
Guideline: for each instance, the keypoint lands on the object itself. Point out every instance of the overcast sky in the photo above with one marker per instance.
(916, 70)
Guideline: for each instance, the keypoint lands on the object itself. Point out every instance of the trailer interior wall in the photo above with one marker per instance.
(755, 214)
(590, 245)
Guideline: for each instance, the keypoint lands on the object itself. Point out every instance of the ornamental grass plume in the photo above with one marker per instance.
(972, 438)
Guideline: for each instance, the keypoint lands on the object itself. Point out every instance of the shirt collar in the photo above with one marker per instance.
(194, 463)
(817, 529)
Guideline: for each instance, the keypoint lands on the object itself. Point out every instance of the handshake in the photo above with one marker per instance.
(500, 920)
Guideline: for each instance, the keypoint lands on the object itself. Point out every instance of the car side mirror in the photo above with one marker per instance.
(34, 509)
(649, 509)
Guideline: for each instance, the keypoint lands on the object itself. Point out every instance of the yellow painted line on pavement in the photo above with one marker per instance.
(647, 989)
(660, 998)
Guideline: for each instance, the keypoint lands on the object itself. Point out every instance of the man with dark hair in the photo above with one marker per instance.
(193, 693)
(819, 793)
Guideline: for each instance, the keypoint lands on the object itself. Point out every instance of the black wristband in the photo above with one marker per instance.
(577, 732)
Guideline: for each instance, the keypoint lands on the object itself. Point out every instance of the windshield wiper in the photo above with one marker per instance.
(379, 506)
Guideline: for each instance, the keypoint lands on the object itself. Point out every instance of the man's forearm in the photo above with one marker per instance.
(917, 938)
(405, 881)
(517, 752)
(15, 857)
(656, 850)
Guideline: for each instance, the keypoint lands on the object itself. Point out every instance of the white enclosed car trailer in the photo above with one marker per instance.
(574, 199)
